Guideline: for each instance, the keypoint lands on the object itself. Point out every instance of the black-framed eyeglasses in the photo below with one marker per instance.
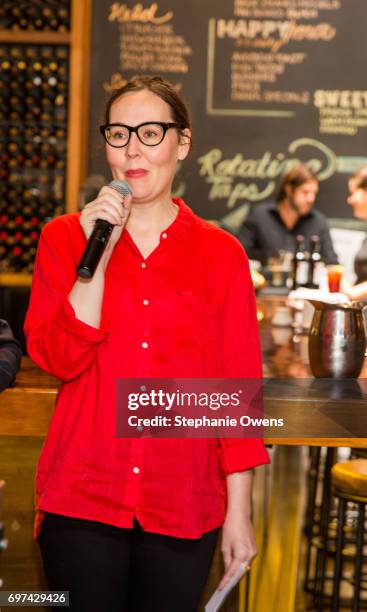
(150, 133)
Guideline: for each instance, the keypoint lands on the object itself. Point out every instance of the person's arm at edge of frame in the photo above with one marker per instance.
(10, 355)
(354, 292)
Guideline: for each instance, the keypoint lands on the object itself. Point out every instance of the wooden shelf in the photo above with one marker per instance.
(35, 37)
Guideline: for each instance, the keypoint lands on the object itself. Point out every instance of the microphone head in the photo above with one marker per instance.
(121, 186)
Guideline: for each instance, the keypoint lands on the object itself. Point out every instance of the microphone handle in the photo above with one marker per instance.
(96, 245)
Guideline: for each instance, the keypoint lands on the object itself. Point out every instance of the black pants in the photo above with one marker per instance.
(107, 569)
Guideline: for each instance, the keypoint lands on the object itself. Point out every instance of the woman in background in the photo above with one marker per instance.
(358, 201)
(132, 524)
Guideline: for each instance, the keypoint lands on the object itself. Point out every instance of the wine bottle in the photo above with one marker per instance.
(316, 264)
(301, 264)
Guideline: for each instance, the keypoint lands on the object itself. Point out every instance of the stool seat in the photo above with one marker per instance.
(350, 479)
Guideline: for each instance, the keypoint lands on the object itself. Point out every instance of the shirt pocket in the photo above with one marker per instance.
(195, 321)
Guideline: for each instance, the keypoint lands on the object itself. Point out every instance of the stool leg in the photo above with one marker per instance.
(322, 555)
(359, 556)
(247, 592)
(311, 512)
(313, 477)
(338, 555)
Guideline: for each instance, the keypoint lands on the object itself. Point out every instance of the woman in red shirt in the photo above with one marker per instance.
(132, 523)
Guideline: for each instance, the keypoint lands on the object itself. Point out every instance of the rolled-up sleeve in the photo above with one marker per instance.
(56, 340)
(241, 455)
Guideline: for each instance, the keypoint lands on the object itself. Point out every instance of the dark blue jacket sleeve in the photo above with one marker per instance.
(10, 355)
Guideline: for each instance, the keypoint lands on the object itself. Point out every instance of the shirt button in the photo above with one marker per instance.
(143, 388)
(143, 265)
(139, 428)
(136, 470)
(164, 235)
(145, 302)
(144, 345)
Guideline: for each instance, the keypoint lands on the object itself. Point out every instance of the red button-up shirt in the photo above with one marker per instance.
(187, 311)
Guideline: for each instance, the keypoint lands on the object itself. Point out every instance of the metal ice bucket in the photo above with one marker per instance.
(337, 340)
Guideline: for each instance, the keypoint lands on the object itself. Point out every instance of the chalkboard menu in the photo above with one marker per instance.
(269, 82)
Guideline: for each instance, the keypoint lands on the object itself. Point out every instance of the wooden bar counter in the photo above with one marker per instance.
(316, 412)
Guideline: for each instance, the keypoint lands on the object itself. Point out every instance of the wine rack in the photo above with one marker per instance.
(32, 15)
(44, 54)
(33, 107)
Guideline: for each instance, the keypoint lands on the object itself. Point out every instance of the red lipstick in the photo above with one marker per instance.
(138, 173)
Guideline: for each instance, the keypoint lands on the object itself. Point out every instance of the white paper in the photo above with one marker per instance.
(303, 293)
(218, 597)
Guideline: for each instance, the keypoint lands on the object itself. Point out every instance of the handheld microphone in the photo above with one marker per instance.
(99, 238)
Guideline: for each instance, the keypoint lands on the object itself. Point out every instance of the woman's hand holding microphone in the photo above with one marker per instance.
(113, 207)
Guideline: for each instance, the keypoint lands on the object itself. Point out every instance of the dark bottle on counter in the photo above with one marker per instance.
(315, 263)
(301, 264)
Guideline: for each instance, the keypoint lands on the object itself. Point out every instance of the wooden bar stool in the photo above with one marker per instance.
(349, 484)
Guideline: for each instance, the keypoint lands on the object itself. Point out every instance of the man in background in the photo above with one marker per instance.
(273, 226)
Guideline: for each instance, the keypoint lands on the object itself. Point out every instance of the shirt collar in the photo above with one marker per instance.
(273, 208)
(184, 221)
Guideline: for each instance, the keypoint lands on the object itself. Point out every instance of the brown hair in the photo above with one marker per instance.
(161, 88)
(295, 177)
(359, 178)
